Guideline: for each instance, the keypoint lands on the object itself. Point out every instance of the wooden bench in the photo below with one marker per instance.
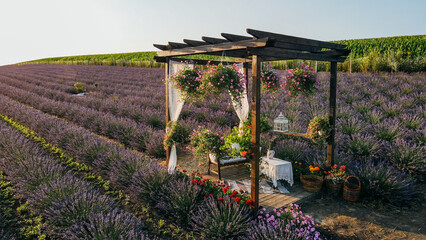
(225, 161)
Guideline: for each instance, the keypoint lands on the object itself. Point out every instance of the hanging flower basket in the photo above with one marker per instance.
(311, 183)
(175, 134)
(189, 82)
(319, 129)
(301, 80)
(220, 78)
(270, 80)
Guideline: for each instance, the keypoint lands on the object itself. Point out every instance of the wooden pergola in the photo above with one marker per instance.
(253, 50)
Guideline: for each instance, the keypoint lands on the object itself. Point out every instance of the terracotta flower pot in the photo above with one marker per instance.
(311, 183)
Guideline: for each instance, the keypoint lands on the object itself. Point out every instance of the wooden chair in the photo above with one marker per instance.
(225, 161)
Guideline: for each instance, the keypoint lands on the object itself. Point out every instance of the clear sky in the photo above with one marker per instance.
(33, 29)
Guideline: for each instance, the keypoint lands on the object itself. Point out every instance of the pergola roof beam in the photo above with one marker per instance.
(235, 38)
(207, 49)
(194, 43)
(162, 47)
(213, 40)
(286, 54)
(175, 45)
(294, 40)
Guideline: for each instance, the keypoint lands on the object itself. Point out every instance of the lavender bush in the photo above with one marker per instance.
(147, 183)
(221, 219)
(380, 181)
(61, 198)
(179, 199)
(115, 224)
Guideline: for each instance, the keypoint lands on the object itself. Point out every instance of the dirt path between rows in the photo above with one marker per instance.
(339, 219)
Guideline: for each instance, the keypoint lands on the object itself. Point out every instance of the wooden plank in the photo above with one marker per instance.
(194, 43)
(167, 68)
(292, 134)
(212, 40)
(332, 114)
(286, 54)
(292, 46)
(162, 47)
(295, 40)
(255, 123)
(175, 45)
(194, 61)
(228, 46)
(235, 38)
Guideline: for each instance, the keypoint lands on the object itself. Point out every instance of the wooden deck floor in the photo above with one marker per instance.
(267, 200)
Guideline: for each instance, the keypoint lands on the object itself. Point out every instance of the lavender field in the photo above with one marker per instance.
(118, 126)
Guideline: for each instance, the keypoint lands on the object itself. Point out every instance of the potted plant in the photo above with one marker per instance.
(312, 180)
(300, 80)
(189, 82)
(335, 178)
(203, 142)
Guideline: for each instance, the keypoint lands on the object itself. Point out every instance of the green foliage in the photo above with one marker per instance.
(242, 136)
(319, 129)
(176, 134)
(79, 87)
(204, 141)
(17, 219)
(409, 46)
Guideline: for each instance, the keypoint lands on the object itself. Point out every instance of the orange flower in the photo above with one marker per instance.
(310, 166)
(300, 163)
(316, 168)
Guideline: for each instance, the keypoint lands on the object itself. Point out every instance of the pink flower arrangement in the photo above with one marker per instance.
(301, 80)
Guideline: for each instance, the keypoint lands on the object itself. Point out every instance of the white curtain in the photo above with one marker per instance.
(241, 107)
(176, 102)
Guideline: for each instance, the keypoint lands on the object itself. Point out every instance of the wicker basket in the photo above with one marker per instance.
(311, 183)
(334, 187)
(351, 190)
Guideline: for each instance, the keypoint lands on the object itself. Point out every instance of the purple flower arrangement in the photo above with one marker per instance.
(283, 223)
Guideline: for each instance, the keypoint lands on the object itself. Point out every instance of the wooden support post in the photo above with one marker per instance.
(246, 69)
(166, 75)
(255, 136)
(332, 113)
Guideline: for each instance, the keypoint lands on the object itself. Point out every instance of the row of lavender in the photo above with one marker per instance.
(172, 195)
(71, 207)
(140, 109)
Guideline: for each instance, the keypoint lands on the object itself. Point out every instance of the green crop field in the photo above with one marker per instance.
(404, 53)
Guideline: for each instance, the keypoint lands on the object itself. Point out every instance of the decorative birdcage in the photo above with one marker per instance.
(281, 123)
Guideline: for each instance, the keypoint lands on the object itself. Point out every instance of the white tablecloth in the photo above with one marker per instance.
(277, 169)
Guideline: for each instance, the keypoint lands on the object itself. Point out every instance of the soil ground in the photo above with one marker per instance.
(339, 219)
